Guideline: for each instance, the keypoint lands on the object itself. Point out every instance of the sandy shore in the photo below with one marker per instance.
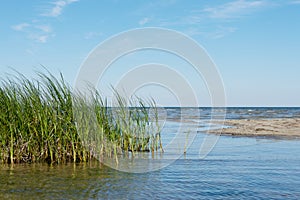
(278, 128)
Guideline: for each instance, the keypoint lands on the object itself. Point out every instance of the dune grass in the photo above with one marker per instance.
(43, 120)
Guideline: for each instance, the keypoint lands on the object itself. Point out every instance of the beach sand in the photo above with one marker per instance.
(277, 128)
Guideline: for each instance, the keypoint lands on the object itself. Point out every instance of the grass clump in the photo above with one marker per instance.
(43, 120)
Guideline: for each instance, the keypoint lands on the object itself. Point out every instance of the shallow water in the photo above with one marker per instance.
(237, 167)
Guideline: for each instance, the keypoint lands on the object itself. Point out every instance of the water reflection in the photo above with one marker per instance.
(236, 168)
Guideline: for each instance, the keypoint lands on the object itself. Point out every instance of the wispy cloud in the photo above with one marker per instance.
(233, 9)
(20, 27)
(217, 21)
(44, 28)
(216, 33)
(192, 31)
(221, 32)
(217, 14)
(37, 32)
(295, 2)
(39, 38)
(144, 21)
(57, 8)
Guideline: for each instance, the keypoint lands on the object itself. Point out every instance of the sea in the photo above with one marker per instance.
(230, 167)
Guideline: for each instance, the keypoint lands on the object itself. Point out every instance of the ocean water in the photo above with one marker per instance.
(236, 168)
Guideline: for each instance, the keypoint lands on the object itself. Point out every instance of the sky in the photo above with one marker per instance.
(254, 44)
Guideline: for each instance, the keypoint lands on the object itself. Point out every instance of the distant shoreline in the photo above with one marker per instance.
(281, 128)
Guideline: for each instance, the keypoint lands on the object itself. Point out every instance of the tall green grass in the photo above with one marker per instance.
(43, 120)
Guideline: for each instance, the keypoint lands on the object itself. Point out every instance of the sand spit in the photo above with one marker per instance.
(279, 127)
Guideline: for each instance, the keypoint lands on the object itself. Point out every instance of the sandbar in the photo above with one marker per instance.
(276, 128)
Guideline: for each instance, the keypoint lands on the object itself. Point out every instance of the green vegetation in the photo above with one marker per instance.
(43, 120)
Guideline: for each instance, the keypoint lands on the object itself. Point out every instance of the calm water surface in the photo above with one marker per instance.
(237, 168)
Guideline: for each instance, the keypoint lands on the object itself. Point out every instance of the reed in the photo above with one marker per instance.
(37, 123)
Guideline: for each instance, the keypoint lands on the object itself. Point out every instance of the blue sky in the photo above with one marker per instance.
(255, 44)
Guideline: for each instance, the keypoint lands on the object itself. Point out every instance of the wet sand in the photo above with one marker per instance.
(276, 128)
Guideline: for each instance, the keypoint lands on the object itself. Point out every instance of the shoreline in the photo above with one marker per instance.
(279, 128)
